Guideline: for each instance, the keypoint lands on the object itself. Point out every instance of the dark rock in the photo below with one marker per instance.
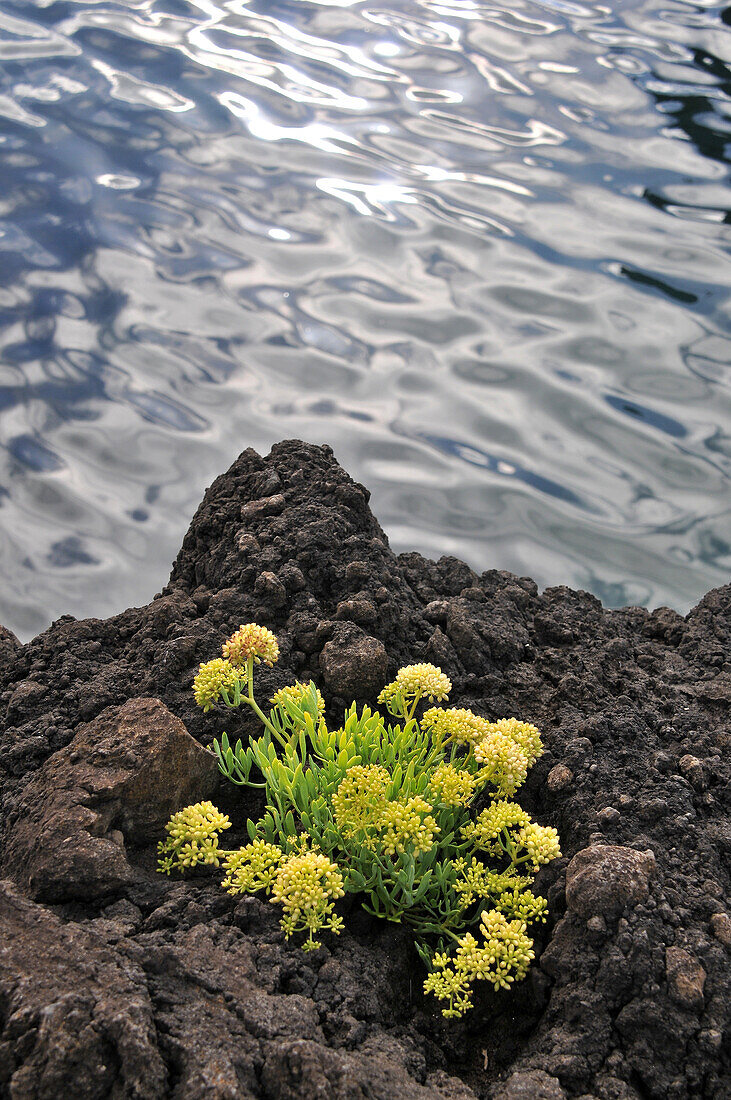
(120, 779)
(559, 778)
(78, 1020)
(531, 1085)
(202, 990)
(354, 664)
(721, 928)
(9, 647)
(270, 589)
(602, 880)
(686, 977)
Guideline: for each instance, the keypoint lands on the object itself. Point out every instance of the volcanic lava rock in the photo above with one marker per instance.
(127, 984)
(353, 663)
(78, 1019)
(602, 880)
(119, 780)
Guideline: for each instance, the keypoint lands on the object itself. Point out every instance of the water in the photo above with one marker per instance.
(480, 249)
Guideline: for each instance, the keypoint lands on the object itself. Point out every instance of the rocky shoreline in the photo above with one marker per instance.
(117, 982)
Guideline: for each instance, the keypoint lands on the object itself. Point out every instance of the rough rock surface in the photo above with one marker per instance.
(144, 987)
(118, 781)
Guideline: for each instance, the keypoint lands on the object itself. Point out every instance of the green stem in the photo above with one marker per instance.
(408, 715)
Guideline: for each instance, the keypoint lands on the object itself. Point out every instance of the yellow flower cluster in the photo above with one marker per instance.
(525, 734)
(503, 762)
(488, 825)
(502, 958)
(294, 694)
(505, 749)
(307, 885)
(452, 787)
(521, 904)
(360, 807)
(423, 680)
(455, 724)
(192, 837)
(541, 843)
(478, 881)
(506, 753)
(252, 868)
(213, 677)
(251, 640)
(359, 801)
(407, 823)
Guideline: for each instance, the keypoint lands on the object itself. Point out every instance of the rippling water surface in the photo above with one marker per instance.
(481, 249)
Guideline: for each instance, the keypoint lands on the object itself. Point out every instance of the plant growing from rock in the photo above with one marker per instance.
(382, 808)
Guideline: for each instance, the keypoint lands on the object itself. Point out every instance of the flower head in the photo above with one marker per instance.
(501, 957)
(253, 867)
(294, 693)
(192, 837)
(360, 799)
(248, 641)
(213, 677)
(407, 825)
(488, 825)
(307, 885)
(455, 724)
(540, 842)
(504, 763)
(422, 681)
(451, 786)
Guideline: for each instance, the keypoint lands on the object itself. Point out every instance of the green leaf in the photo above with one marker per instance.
(422, 888)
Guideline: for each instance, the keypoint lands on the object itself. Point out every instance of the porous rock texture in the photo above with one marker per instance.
(118, 982)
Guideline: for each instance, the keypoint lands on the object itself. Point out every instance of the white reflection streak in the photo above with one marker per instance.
(375, 195)
(315, 133)
(129, 89)
(441, 175)
(292, 40)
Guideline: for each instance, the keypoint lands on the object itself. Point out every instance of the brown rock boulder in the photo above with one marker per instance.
(77, 1016)
(119, 780)
(602, 880)
(354, 664)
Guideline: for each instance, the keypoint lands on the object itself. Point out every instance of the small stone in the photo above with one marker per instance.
(692, 769)
(559, 778)
(532, 1084)
(358, 610)
(686, 977)
(602, 880)
(25, 697)
(596, 928)
(266, 506)
(473, 593)
(270, 590)
(358, 572)
(663, 762)
(721, 928)
(607, 817)
(354, 664)
(436, 611)
(292, 577)
(246, 543)
(710, 1040)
